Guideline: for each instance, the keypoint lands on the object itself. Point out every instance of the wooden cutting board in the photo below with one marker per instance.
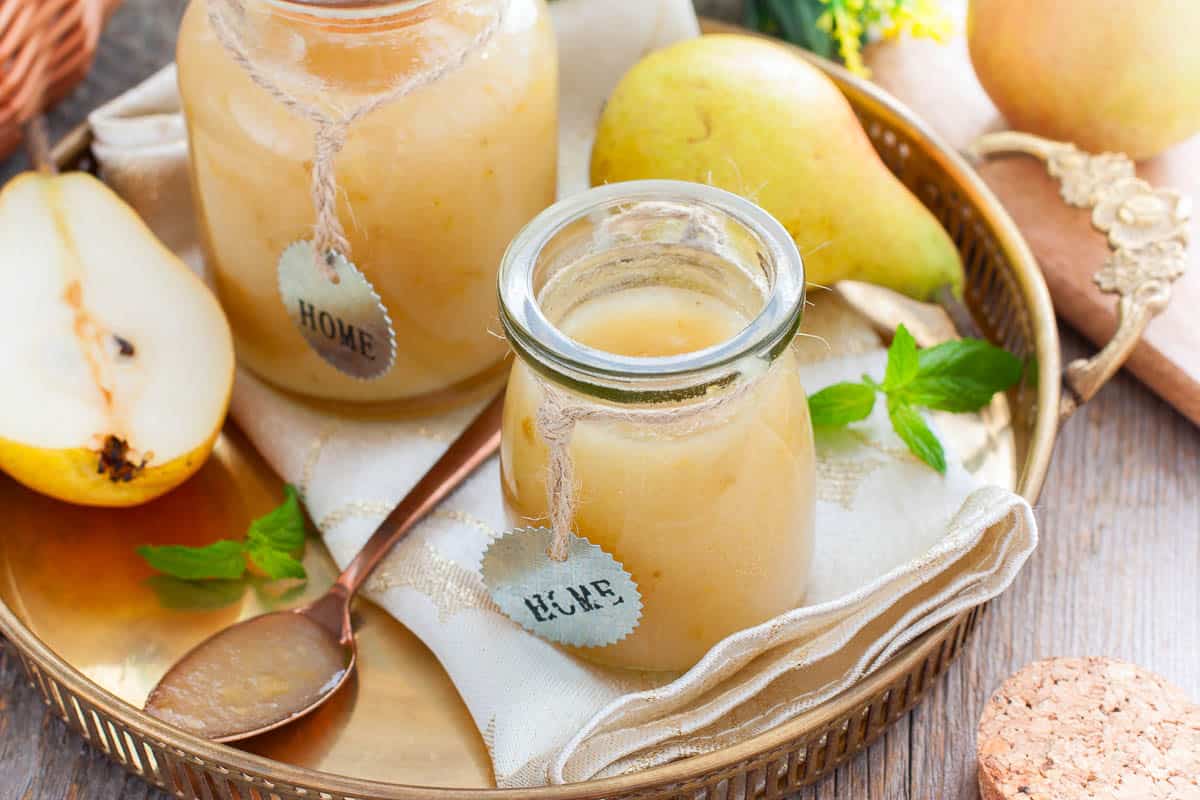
(938, 83)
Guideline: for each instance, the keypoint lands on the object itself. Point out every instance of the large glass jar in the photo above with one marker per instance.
(431, 185)
(666, 296)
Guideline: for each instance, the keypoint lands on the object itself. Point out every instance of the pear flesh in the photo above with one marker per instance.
(754, 118)
(118, 360)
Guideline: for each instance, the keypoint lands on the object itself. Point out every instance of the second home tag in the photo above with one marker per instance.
(589, 600)
(345, 322)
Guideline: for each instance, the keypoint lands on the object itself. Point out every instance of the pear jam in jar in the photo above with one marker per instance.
(662, 314)
(455, 151)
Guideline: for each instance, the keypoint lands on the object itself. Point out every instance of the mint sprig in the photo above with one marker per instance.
(270, 544)
(957, 376)
(223, 559)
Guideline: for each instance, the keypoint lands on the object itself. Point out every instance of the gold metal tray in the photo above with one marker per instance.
(95, 630)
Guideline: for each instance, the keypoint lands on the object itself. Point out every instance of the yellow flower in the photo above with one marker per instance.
(847, 30)
(921, 18)
(847, 20)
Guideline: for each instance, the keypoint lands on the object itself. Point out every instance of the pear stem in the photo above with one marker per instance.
(37, 141)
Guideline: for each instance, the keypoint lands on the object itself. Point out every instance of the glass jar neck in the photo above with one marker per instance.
(626, 236)
(363, 48)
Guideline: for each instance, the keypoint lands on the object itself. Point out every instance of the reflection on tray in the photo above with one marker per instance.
(72, 576)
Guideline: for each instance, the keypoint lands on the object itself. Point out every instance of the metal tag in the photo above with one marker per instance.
(346, 322)
(589, 600)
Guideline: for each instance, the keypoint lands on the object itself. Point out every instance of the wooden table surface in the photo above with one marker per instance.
(1116, 573)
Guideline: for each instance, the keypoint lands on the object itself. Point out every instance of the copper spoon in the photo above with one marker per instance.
(295, 660)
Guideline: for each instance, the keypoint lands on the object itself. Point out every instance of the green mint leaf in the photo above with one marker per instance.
(276, 564)
(947, 393)
(223, 559)
(270, 541)
(902, 363)
(911, 428)
(962, 375)
(281, 529)
(841, 403)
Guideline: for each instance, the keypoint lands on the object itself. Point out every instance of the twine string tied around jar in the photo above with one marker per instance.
(329, 237)
(558, 415)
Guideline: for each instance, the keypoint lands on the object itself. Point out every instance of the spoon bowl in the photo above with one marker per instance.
(268, 671)
(254, 676)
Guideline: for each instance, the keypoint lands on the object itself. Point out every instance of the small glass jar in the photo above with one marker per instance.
(431, 186)
(664, 295)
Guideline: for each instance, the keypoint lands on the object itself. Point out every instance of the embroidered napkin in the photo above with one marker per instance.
(899, 548)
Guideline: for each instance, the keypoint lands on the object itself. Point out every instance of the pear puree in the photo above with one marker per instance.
(431, 186)
(715, 525)
(250, 676)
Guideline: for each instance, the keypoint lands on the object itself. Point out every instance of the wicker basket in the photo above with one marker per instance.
(1009, 302)
(46, 48)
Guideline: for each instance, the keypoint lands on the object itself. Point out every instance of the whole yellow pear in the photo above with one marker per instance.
(753, 117)
(1105, 74)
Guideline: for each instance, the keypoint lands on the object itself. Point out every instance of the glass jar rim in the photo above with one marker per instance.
(349, 9)
(534, 337)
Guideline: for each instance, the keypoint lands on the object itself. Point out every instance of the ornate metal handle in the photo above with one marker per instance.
(1147, 232)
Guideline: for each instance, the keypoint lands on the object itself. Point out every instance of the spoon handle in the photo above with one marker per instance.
(473, 446)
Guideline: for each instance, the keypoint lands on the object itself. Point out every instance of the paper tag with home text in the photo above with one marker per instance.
(589, 600)
(345, 322)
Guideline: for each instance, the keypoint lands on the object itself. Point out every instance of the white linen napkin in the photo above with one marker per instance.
(899, 548)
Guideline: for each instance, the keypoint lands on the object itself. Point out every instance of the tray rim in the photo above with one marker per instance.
(39, 658)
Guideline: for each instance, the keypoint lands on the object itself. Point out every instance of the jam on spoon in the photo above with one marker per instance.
(257, 675)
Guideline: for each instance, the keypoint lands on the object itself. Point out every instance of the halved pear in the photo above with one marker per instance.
(117, 360)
